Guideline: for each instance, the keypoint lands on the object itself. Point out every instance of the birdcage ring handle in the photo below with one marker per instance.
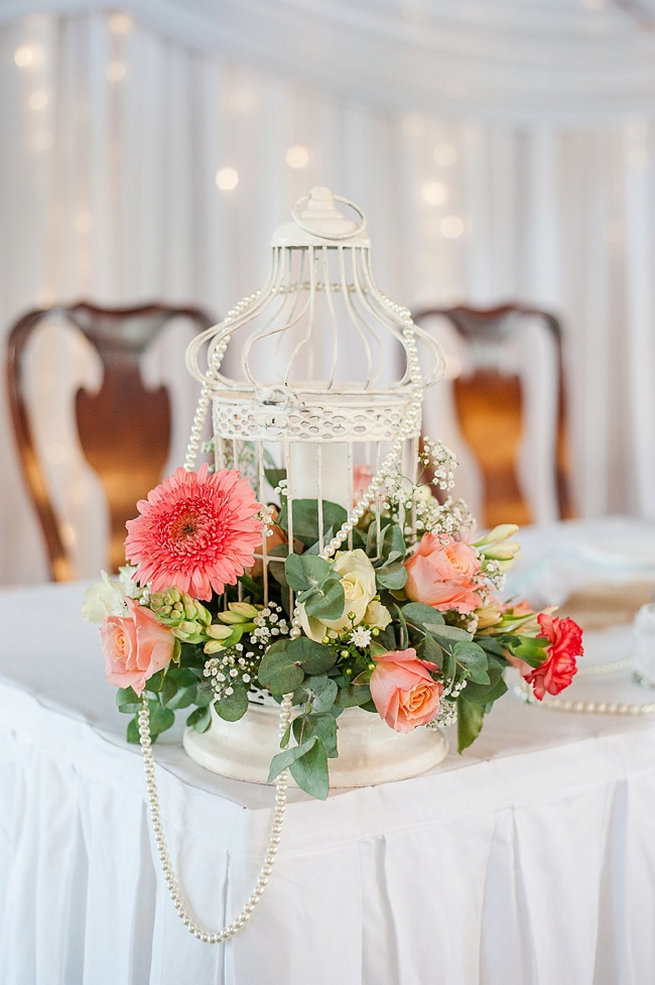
(296, 213)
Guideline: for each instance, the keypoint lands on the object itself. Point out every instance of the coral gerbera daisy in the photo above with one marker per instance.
(197, 532)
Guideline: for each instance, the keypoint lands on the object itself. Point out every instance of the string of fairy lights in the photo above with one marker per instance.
(31, 57)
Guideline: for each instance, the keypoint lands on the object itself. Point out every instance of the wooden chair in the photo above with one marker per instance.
(124, 429)
(505, 374)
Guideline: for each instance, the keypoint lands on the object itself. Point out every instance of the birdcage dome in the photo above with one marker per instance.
(320, 353)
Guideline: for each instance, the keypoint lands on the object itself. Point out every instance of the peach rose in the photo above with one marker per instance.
(403, 690)
(135, 646)
(444, 574)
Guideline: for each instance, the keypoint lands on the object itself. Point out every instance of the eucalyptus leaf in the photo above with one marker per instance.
(154, 684)
(200, 719)
(447, 633)
(469, 722)
(448, 665)
(324, 727)
(430, 650)
(487, 693)
(305, 519)
(279, 670)
(392, 575)
(474, 659)
(491, 645)
(310, 771)
(183, 676)
(132, 733)
(393, 542)
(160, 718)
(313, 658)
(167, 691)
(352, 697)
(306, 571)
(327, 602)
(183, 697)
(370, 706)
(128, 701)
(418, 614)
(284, 759)
(232, 707)
(275, 476)
(324, 692)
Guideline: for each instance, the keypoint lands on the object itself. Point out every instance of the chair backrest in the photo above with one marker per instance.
(501, 409)
(124, 428)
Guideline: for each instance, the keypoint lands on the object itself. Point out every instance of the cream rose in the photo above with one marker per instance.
(377, 616)
(358, 580)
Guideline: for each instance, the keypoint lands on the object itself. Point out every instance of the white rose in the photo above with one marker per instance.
(358, 581)
(377, 616)
(105, 598)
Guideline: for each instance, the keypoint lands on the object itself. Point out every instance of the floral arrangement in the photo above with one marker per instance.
(407, 623)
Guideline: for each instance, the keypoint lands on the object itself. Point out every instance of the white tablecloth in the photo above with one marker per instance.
(529, 860)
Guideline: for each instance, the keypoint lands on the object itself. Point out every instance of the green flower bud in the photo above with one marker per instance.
(217, 632)
(189, 632)
(232, 618)
(501, 532)
(244, 609)
(503, 552)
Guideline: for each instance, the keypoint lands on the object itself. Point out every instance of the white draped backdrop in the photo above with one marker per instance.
(500, 150)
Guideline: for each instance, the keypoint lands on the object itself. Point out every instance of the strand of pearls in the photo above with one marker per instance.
(181, 905)
(195, 437)
(585, 707)
(597, 670)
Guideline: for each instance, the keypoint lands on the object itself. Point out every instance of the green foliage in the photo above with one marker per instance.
(324, 727)
(310, 771)
(306, 571)
(323, 692)
(307, 764)
(318, 586)
(275, 476)
(128, 701)
(232, 707)
(418, 614)
(286, 663)
(473, 659)
(200, 719)
(305, 518)
(486, 693)
(469, 722)
(351, 696)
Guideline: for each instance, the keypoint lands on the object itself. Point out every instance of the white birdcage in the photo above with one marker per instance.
(322, 407)
(327, 376)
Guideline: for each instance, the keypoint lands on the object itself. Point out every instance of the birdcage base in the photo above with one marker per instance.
(369, 751)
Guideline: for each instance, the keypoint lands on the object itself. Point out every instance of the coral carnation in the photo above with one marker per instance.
(558, 670)
(196, 531)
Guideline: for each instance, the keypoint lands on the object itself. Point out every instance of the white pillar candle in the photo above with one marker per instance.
(320, 471)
